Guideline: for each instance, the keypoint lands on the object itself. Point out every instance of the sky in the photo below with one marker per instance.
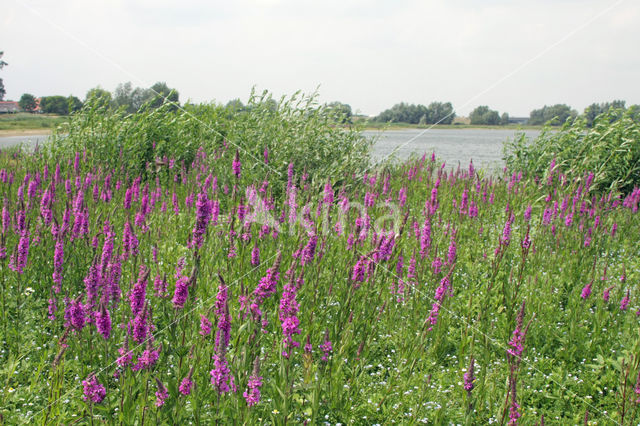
(512, 55)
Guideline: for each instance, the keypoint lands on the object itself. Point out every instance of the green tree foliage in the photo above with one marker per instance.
(440, 113)
(595, 109)
(54, 105)
(235, 106)
(504, 119)
(125, 96)
(2, 89)
(27, 102)
(73, 104)
(610, 149)
(339, 112)
(163, 94)
(436, 112)
(482, 115)
(555, 114)
(98, 96)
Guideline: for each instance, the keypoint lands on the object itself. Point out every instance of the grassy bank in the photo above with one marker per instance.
(33, 122)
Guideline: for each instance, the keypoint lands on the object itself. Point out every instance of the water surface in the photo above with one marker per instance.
(483, 146)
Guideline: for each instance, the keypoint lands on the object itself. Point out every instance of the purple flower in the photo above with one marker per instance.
(236, 165)
(289, 315)
(181, 292)
(205, 326)
(20, 262)
(125, 355)
(358, 272)
(326, 346)
(186, 385)
(139, 291)
(148, 358)
(469, 378)
(203, 215)
(103, 322)
(76, 314)
(252, 394)
(606, 293)
(586, 291)
(255, 255)
(160, 286)
(161, 394)
(93, 391)
(58, 261)
(140, 326)
(624, 303)
(308, 252)
(221, 377)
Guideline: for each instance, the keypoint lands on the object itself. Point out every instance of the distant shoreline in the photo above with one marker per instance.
(24, 132)
(402, 126)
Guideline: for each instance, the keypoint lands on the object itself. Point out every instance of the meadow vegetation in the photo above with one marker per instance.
(193, 265)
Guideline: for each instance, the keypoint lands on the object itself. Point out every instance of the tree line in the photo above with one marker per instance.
(443, 113)
(124, 96)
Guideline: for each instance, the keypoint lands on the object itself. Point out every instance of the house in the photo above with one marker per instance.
(518, 120)
(8, 107)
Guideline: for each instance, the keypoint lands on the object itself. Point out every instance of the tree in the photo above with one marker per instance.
(162, 93)
(235, 105)
(129, 98)
(122, 95)
(73, 104)
(482, 115)
(440, 113)
(54, 105)
(556, 115)
(595, 109)
(98, 97)
(504, 119)
(2, 90)
(339, 112)
(27, 102)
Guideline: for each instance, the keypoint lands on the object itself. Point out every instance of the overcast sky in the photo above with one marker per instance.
(512, 55)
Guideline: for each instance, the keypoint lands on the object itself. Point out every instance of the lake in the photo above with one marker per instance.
(484, 146)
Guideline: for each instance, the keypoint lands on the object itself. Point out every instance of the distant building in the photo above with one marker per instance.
(8, 107)
(518, 120)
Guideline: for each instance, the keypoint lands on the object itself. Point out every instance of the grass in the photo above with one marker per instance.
(26, 121)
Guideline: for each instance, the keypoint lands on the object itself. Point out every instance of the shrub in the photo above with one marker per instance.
(610, 149)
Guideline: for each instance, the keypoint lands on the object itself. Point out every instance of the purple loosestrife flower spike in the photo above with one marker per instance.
(203, 215)
(94, 392)
(20, 262)
(236, 165)
(186, 384)
(252, 394)
(58, 261)
(161, 394)
(469, 378)
(139, 291)
(181, 292)
(103, 322)
(624, 303)
(586, 291)
(326, 346)
(255, 255)
(205, 326)
(289, 315)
